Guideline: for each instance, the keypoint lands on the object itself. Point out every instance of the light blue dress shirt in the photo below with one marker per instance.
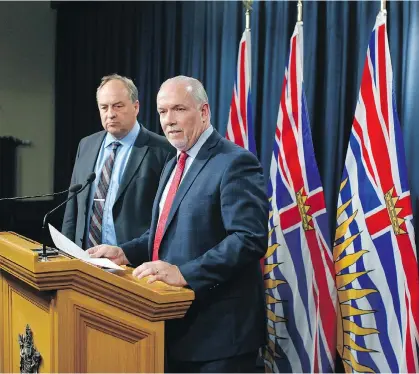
(121, 160)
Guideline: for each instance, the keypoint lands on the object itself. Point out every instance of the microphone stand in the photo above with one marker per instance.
(73, 188)
(77, 188)
(75, 191)
(51, 251)
(35, 196)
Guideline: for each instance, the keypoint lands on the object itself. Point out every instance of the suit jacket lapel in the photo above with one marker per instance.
(138, 151)
(93, 152)
(88, 165)
(163, 181)
(203, 156)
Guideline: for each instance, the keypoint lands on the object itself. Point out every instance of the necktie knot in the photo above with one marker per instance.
(115, 146)
(182, 158)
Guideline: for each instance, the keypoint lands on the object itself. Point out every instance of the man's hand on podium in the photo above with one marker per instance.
(160, 271)
(155, 270)
(113, 253)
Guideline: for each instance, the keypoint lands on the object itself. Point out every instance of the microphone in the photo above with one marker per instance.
(74, 192)
(73, 188)
(90, 178)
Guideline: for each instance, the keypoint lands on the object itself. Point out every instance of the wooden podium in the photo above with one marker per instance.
(82, 318)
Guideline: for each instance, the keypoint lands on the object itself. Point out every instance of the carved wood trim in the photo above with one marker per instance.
(41, 299)
(138, 343)
(85, 319)
(37, 306)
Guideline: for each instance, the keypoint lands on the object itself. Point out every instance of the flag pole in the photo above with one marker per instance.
(383, 5)
(300, 11)
(248, 6)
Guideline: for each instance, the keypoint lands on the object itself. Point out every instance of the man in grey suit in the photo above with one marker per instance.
(127, 159)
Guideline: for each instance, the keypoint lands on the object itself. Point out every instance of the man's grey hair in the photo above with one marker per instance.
(128, 83)
(194, 87)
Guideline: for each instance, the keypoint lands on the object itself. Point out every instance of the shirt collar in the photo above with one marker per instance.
(193, 151)
(127, 140)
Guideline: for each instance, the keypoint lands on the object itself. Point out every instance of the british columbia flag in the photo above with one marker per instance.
(240, 128)
(374, 250)
(299, 273)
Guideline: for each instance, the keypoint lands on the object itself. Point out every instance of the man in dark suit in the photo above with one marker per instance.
(208, 232)
(118, 206)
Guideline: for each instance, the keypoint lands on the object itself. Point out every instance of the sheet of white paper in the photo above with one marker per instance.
(104, 262)
(68, 246)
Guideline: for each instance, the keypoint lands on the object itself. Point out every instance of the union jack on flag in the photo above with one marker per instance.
(374, 250)
(299, 274)
(240, 128)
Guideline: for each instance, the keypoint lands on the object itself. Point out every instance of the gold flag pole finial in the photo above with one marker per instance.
(300, 11)
(248, 6)
(383, 5)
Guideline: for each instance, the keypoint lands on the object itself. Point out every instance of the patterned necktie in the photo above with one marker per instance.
(95, 228)
(168, 204)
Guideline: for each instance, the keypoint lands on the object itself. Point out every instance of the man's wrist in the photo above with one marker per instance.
(182, 279)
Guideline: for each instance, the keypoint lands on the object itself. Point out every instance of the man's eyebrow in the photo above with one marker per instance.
(174, 106)
(106, 104)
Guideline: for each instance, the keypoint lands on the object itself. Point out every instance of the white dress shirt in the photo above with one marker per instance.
(192, 153)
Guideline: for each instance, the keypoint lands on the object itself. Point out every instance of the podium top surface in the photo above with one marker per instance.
(154, 302)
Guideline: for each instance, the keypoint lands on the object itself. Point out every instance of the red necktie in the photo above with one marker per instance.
(168, 204)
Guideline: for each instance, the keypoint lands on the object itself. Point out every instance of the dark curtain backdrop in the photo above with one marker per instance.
(152, 41)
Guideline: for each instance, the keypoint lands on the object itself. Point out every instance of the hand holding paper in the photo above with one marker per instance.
(67, 246)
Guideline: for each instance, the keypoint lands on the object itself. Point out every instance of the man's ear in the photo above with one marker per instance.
(205, 110)
(137, 107)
